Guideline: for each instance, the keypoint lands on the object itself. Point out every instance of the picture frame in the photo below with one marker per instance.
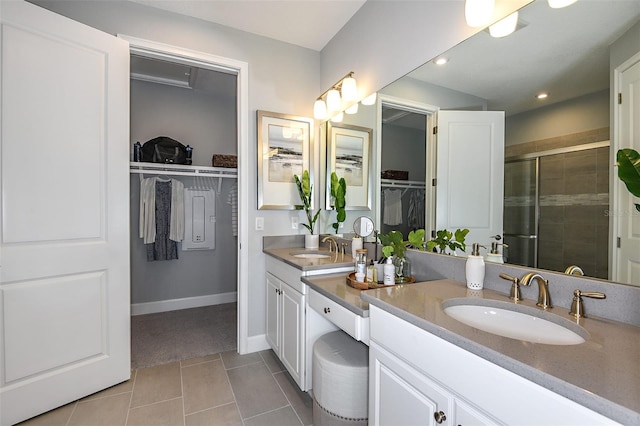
(284, 150)
(348, 154)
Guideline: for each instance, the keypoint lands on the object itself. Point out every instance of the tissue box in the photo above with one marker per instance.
(224, 160)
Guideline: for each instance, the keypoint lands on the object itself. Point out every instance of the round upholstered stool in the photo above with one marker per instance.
(340, 380)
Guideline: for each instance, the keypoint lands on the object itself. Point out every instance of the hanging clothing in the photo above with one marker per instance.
(392, 207)
(163, 248)
(232, 200)
(415, 215)
(148, 210)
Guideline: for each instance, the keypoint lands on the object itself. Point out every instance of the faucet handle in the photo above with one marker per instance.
(577, 305)
(515, 287)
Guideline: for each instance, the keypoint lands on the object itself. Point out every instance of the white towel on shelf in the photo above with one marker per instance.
(392, 207)
(147, 221)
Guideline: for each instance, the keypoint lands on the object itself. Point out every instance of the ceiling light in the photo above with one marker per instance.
(558, 4)
(505, 26)
(369, 100)
(338, 118)
(333, 100)
(352, 109)
(349, 89)
(320, 109)
(478, 12)
(542, 95)
(441, 61)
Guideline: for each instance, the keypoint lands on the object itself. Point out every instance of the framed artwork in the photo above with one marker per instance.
(284, 150)
(348, 150)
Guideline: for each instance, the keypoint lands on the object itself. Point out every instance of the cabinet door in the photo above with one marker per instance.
(400, 395)
(293, 322)
(467, 415)
(273, 312)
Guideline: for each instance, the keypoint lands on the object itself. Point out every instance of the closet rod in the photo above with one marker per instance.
(182, 170)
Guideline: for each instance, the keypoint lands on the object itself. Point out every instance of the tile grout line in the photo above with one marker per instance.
(287, 398)
(133, 387)
(184, 414)
(75, 405)
(224, 368)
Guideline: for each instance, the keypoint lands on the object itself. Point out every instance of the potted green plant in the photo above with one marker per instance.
(305, 189)
(393, 244)
(338, 202)
(628, 162)
(447, 240)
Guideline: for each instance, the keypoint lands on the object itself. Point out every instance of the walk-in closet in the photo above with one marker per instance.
(183, 294)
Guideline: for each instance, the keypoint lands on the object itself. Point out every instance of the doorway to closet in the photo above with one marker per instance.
(186, 307)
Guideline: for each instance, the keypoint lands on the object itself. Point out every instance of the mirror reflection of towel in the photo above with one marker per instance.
(392, 212)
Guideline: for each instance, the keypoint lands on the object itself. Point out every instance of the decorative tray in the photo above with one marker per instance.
(352, 282)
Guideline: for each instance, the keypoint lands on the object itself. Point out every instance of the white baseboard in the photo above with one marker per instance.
(185, 303)
(257, 343)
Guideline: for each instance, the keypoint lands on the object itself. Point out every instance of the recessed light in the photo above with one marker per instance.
(541, 95)
(441, 61)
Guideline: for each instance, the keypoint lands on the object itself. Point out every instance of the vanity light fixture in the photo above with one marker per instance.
(505, 26)
(331, 101)
(559, 4)
(478, 12)
(369, 100)
(338, 118)
(352, 109)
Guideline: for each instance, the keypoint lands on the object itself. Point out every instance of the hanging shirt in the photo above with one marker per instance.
(147, 221)
(392, 207)
(232, 200)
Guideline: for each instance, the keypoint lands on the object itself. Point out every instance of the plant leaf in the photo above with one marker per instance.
(416, 238)
(628, 161)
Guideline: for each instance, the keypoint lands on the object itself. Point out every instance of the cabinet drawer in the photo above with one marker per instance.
(286, 273)
(351, 323)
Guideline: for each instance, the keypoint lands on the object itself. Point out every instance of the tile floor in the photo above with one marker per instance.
(219, 389)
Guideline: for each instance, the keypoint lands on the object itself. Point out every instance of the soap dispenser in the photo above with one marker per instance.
(494, 255)
(389, 272)
(474, 268)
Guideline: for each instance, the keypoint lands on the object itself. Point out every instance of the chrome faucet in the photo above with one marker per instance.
(332, 241)
(544, 298)
(574, 270)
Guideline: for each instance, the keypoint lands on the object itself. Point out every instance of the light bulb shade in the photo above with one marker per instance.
(353, 109)
(320, 110)
(333, 100)
(369, 100)
(349, 89)
(505, 26)
(478, 12)
(338, 118)
(558, 4)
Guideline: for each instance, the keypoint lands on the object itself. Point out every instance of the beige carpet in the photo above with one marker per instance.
(178, 335)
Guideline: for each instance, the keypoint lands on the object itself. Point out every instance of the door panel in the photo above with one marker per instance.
(470, 183)
(64, 155)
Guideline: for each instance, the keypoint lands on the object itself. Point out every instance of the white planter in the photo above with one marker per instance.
(311, 241)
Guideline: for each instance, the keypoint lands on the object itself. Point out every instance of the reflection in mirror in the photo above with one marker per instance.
(363, 226)
(557, 172)
(348, 155)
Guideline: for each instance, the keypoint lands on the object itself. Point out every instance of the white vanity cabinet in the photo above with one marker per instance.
(416, 377)
(286, 301)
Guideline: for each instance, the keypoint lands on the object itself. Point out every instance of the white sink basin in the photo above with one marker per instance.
(311, 255)
(515, 321)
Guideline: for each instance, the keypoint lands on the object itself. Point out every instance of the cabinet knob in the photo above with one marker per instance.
(327, 310)
(439, 416)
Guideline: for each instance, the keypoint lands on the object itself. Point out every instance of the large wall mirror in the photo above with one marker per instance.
(557, 163)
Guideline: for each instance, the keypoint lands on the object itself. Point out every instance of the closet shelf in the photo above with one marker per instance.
(183, 170)
(391, 183)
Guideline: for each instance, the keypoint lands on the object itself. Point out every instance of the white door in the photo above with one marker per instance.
(64, 236)
(628, 253)
(470, 173)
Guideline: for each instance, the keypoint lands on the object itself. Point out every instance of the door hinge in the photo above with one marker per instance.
(619, 98)
(435, 130)
(618, 243)
(434, 182)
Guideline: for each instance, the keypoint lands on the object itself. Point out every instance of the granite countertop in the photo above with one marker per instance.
(602, 373)
(334, 261)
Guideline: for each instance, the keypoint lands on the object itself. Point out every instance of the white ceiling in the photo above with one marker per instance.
(306, 23)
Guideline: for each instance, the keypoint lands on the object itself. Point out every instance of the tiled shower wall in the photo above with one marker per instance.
(574, 200)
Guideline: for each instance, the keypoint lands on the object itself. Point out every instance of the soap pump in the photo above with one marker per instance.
(494, 255)
(474, 268)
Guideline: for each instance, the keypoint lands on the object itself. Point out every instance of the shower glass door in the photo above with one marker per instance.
(521, 212)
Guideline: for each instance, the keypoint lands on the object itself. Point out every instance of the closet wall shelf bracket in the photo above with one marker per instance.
(184, 170)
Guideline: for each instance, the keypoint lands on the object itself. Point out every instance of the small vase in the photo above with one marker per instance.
(311, 241)
(403, 269)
